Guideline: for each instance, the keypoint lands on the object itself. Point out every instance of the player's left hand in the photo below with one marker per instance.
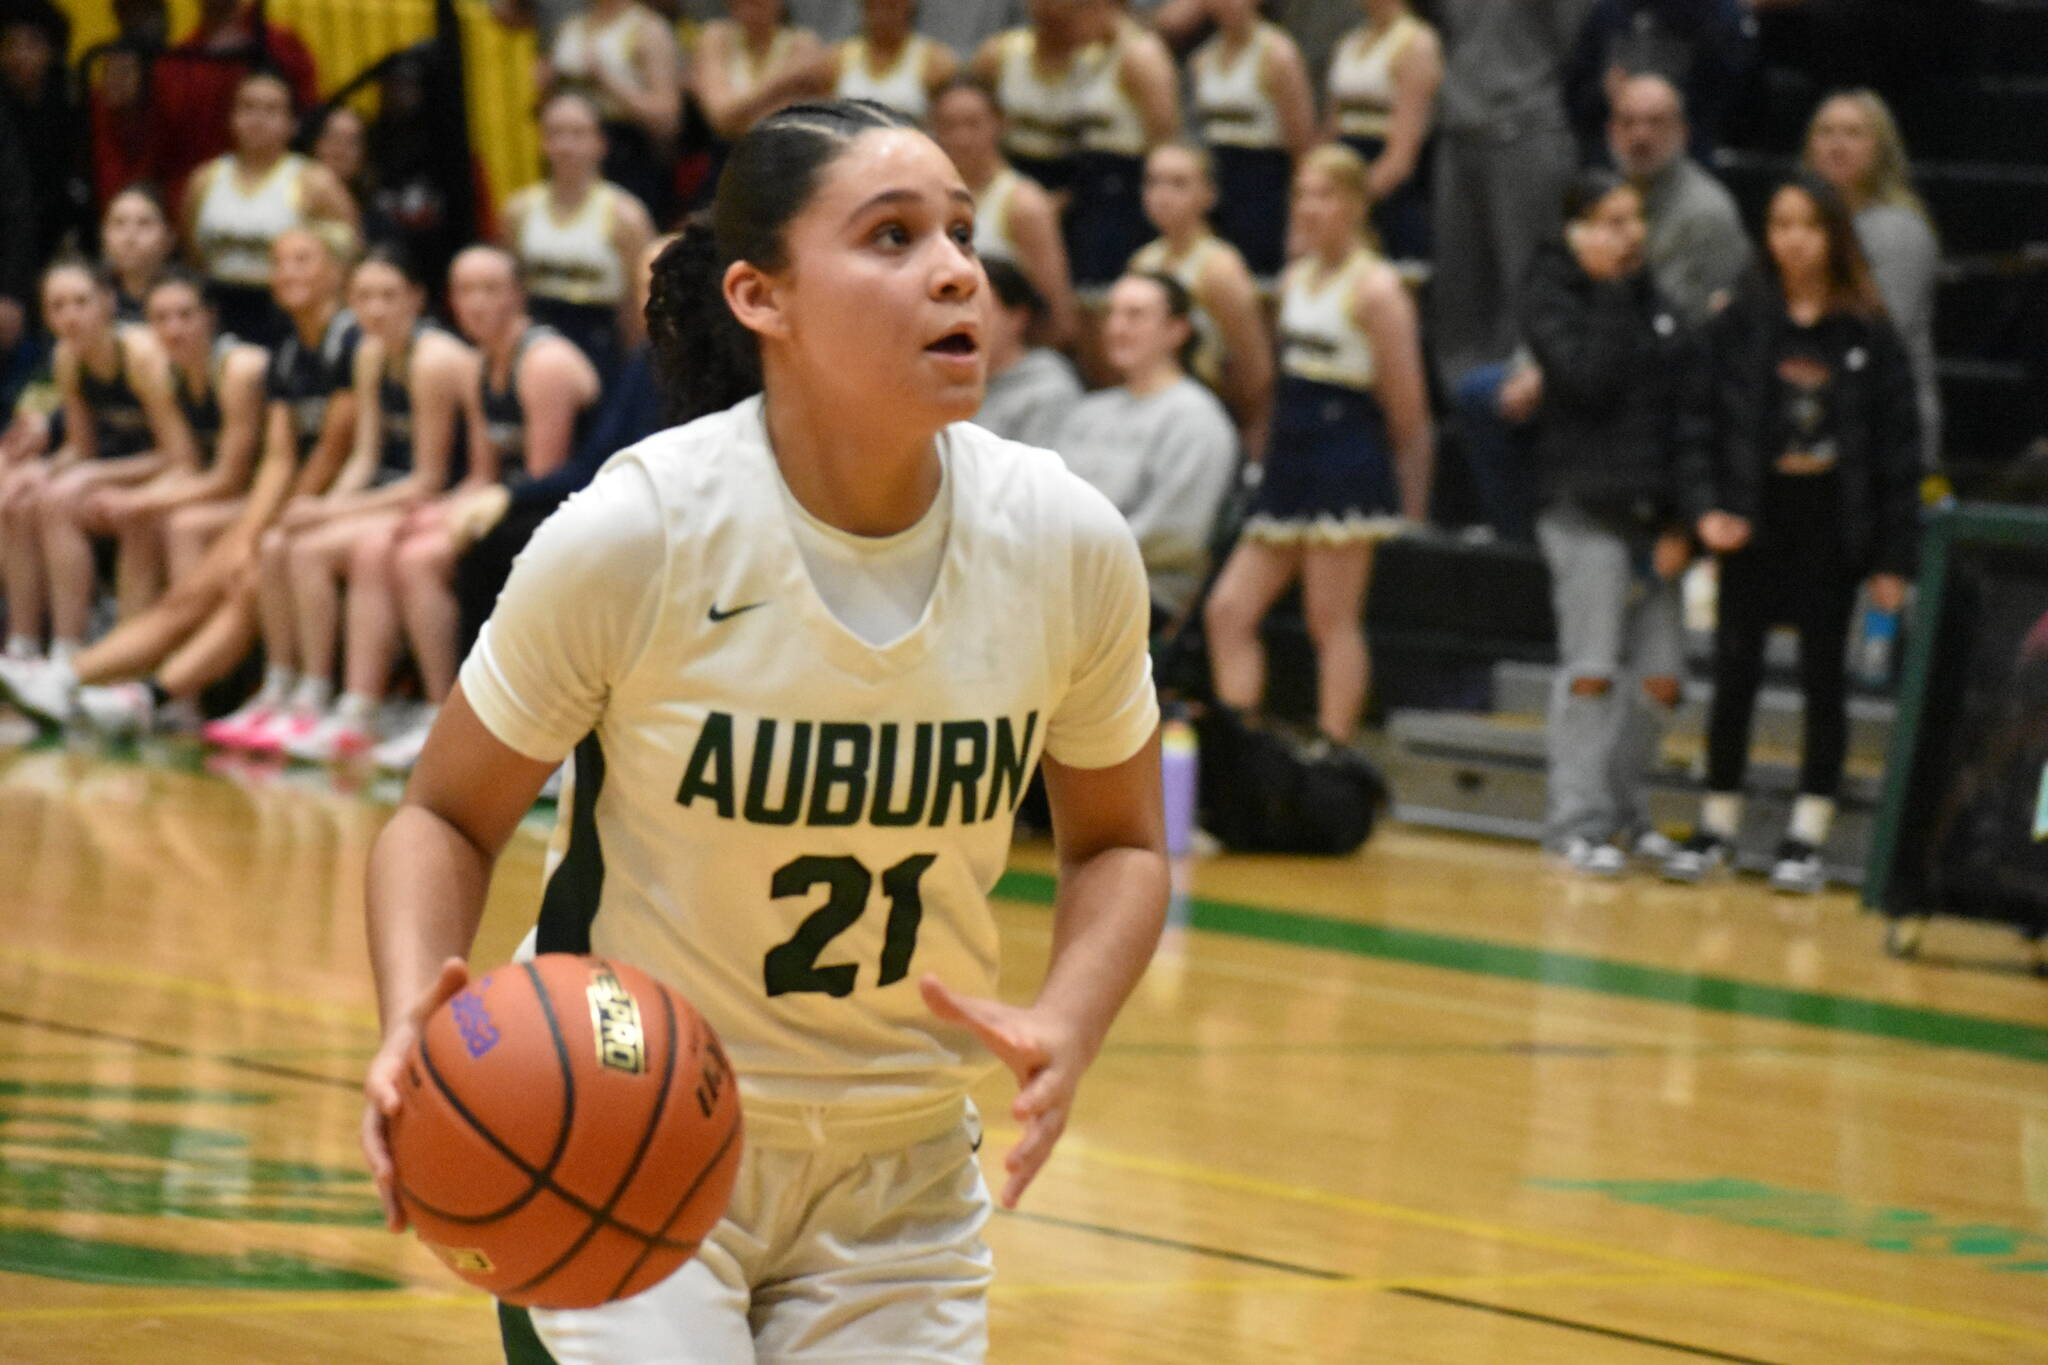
(1047, 1057)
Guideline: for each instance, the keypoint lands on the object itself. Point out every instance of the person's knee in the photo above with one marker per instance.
(1226, 614)
(273, 548)
(417, 561)
(1591, 685)
(1663, 690)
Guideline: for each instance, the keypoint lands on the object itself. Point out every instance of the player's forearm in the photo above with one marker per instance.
(1106, 923)
(426, 888)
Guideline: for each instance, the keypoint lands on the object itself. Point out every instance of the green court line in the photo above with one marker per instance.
(1600, 975)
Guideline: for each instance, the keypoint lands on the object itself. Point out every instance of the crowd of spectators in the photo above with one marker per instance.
(1277, 238)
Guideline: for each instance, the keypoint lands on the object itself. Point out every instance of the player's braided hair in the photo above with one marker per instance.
(706, 361)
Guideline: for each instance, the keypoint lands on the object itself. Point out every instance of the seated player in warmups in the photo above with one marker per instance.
(830, 563)
(218, 382)
(122, 426)
(1159, 445)
(136, 241)
(418, 426)
(203, 628)
(533, 392)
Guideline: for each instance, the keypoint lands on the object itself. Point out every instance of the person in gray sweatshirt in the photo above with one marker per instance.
(1031, 389)
(1160, 446)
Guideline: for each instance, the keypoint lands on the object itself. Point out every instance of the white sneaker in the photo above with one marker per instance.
(1653, 846)
(1698, 858)
(124, 710)
(336, 739)
(42, 692)
(1591, 859)
(399, 753)
(1798, 870)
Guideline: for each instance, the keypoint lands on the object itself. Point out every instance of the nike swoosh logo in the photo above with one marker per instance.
(717, 615)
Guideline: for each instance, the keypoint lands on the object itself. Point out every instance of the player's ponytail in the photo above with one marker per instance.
(705, 360)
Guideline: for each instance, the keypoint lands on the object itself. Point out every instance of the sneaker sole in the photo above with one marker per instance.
(10, 697)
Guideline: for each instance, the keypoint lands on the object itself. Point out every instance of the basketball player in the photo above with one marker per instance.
(535, 394)
(807, 649)
(122, 426)
(199, 631)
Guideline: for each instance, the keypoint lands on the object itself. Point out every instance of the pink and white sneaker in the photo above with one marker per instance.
(234, 730)
(285, 726)
(336, 739)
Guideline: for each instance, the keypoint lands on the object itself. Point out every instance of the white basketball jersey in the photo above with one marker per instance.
(993, 239)
(784, 822)
(900, 85)
(1233, 107)
(572, 258)
(1320, 339)
(237, 226)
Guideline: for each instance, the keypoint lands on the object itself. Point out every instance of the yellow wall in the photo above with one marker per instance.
(348, 35)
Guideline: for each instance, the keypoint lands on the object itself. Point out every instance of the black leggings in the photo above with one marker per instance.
(1760, 589)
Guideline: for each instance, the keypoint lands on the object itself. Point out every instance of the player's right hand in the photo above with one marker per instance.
(380, 1086)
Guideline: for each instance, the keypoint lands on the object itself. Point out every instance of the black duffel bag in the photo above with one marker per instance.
(1262, 793)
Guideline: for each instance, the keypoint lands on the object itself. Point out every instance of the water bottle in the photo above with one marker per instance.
(1874, 650)
(1178, 767)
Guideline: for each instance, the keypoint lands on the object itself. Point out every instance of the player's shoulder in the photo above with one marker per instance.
(705, 470)
(1027, 486)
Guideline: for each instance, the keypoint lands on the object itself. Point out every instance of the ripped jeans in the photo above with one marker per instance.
(1617, 624)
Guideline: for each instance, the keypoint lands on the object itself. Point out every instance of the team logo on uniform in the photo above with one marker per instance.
(717, 615)
(615, 1021)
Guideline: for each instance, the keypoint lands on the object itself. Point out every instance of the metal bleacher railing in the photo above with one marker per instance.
(347, 37)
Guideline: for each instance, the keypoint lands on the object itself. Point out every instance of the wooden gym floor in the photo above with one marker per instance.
(1434, 1104)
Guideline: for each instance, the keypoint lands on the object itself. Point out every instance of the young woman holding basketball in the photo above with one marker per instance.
(832, 552)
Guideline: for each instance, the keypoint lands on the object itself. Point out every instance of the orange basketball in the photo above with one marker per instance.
(570, 1131)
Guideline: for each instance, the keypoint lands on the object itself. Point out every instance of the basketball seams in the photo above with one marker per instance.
(717, 1159)
(542, 1179)
(602, 1217)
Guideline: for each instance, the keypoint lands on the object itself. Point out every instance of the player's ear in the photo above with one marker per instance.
(755, 301)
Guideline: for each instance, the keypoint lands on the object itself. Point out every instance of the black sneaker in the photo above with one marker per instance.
(1699, 858)
(1798, 870)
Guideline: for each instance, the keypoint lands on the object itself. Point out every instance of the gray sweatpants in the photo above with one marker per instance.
(1618, 621)
(1498, 196)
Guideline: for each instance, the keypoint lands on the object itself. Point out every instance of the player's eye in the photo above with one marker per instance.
(891, 234)
(963, 235)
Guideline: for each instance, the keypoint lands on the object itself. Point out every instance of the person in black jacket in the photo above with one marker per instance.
(1812, 491)
(1626, 405)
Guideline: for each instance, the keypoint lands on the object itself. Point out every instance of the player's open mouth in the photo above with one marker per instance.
(960, 343)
